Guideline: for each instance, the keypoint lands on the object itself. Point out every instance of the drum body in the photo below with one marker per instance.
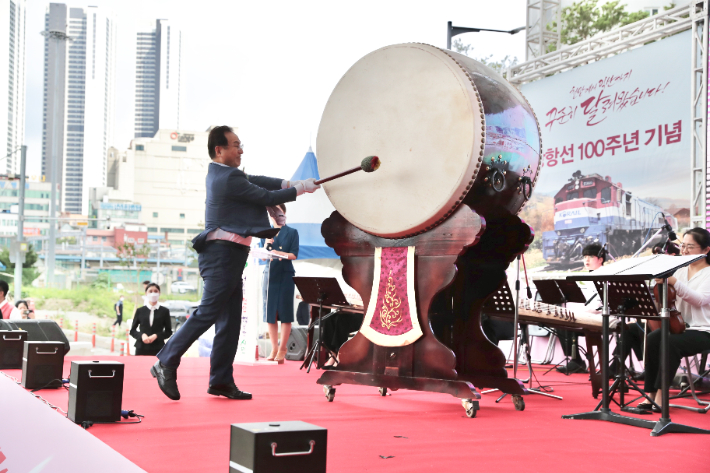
(447, 129)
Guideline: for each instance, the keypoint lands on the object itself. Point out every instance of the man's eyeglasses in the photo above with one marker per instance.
(239, 146)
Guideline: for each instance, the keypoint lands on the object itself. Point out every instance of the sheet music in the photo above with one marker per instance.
(638, 268)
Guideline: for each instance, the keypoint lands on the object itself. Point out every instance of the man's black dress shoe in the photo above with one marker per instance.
(230, 391)
(167, 380)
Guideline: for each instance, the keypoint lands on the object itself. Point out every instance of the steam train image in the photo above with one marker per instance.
(592, 208)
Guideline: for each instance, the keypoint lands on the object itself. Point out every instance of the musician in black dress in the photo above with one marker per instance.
(151, 324)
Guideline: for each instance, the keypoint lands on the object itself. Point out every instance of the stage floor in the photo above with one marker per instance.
(406, 431)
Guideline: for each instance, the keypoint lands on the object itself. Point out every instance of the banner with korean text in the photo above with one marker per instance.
(616, 150)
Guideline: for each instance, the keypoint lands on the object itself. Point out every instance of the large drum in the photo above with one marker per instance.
(447, 129)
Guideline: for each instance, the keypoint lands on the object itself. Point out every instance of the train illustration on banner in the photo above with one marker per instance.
(593, 208)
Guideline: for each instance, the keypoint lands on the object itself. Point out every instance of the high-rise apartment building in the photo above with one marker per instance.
(79, 76)
(12, 84)
(159, 83)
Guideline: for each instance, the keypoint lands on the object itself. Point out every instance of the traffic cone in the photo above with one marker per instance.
(76, 330)
(113, 336)
(93, 336)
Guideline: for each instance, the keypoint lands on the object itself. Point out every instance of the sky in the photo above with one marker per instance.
(268, 68)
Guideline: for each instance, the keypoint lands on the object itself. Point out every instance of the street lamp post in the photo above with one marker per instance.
(452, 31)
(19, 260)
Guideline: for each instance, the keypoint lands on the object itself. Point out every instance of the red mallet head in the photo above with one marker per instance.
(371, 163)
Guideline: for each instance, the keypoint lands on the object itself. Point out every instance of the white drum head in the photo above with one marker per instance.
(415, 108)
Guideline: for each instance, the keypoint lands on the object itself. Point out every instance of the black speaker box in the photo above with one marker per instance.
(297, 347)
(42, 365)
(38, 330)
(95, 391)
(275, 447)
(11, 346)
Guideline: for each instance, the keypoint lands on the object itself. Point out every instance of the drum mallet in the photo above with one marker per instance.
(369, 164)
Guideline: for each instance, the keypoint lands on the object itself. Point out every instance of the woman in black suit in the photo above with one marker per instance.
(151, 324)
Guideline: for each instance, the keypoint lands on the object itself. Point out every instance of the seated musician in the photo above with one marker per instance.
(594, 257)
(692, 285)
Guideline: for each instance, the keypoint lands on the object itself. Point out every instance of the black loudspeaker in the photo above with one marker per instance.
(297, 346)
(95, 391)
(11, 346)
(303, 313)
(271, 447)
(42, 365)
(38, 331)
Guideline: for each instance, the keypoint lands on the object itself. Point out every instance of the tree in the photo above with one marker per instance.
(498, 66)
(586, 18)
(129, 252)
(29, 272)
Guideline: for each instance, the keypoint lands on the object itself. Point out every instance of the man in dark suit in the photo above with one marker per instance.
(235, 211)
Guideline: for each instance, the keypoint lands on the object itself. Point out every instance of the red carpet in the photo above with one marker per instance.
(192, 435)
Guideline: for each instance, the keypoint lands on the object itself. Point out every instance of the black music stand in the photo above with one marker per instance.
(321, 291)
(501, 302)
(559, 292)
(618, 275)
(627, 299)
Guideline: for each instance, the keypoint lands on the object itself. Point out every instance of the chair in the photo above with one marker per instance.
(703, 371)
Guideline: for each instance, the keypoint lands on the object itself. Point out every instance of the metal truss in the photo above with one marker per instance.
(699, 197)
(538, 38)
(636, 34)
(692, 16)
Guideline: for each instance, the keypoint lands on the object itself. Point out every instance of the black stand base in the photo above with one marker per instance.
(665, 426)
(660, 427)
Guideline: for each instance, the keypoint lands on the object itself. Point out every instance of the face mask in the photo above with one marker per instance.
(153, 297)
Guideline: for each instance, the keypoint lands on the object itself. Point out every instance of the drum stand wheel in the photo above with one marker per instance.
(471, 407)
(329, 392)
(518, 402)
(383, 391)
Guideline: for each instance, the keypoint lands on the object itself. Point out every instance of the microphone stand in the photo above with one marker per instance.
(660, 230)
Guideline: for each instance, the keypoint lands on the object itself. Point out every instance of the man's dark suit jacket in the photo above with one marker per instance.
(161, 326)
(237, 203)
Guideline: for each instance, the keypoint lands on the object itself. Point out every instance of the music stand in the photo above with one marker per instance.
(321, 291)
(559, 292)
(501, 302)
(619, 275)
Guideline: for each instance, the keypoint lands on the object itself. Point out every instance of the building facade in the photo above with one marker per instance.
(159, 83)
(79, 84)
(37, 199)
(111, 210)
(165, 176)
(12, 84)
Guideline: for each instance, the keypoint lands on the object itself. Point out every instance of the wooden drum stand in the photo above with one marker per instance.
(458, 265)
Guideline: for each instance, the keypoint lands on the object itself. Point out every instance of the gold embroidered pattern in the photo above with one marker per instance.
(390, 314)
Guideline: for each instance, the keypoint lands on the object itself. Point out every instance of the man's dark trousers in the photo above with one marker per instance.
(221, 267)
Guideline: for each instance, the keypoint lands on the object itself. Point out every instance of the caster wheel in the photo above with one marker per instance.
(383, 391)
(470, 406)
(518, 402)
(329, 392)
